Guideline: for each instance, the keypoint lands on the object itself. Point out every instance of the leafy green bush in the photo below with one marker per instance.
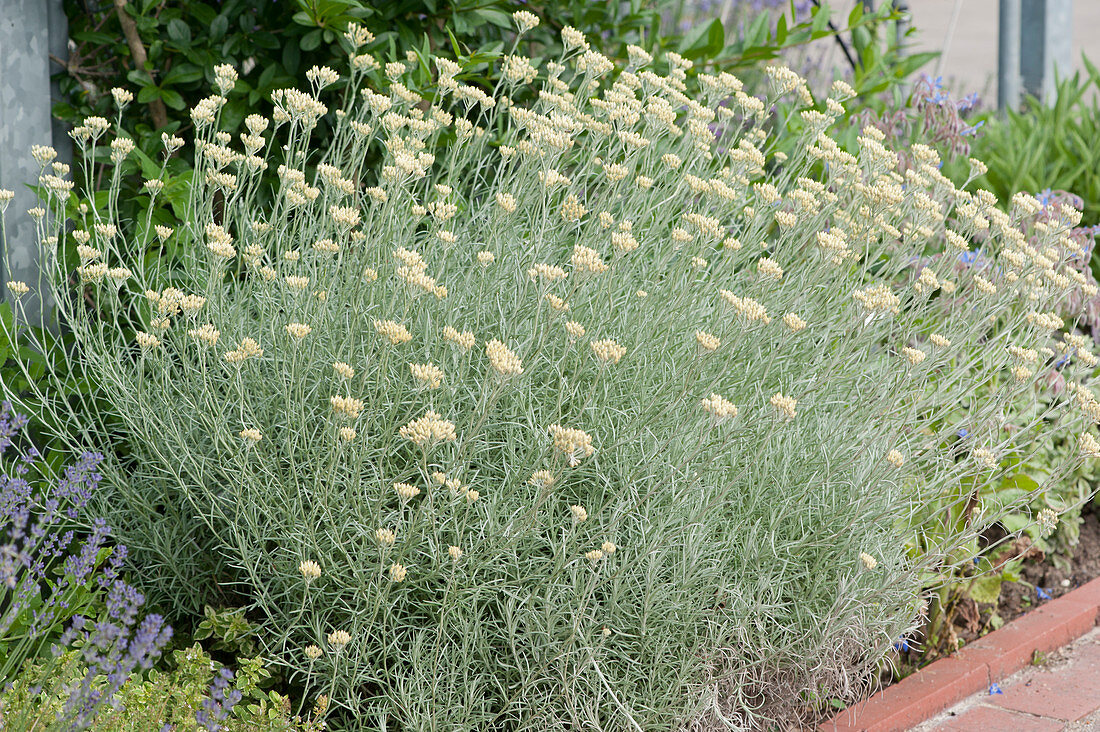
(243, 34)
(164, 53)
(1044, 147)
(1044, 481)
(569, 411)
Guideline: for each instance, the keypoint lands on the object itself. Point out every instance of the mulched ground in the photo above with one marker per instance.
(1017, 599)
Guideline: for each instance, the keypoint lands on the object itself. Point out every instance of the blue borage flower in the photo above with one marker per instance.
(974, 259)
(933, 92)
(972, 129)
(970, 101)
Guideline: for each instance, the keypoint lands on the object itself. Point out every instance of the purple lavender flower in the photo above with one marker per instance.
(216, 707)
(45, 567)
(113, 649)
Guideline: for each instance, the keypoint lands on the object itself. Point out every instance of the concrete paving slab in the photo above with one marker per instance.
(1062, 694)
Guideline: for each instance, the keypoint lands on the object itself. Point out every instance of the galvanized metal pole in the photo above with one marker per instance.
(30, 30)
(902, 25)
(1045, 44)
(1008, 55)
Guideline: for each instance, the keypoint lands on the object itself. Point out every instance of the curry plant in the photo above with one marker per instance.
(564, 413)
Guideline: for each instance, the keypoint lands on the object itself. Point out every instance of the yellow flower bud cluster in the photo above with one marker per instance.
(574, 443)
(503, 360)
(719, 407)
(428, 430)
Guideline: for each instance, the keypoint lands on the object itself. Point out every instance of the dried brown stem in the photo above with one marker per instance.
(137, 50)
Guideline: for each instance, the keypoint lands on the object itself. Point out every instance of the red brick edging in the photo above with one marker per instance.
(975, 666)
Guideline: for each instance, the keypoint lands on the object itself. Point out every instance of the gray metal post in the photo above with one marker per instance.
(59, 49)
(29, 31)
(902, 25)
(1045, 44)
(1008, 55)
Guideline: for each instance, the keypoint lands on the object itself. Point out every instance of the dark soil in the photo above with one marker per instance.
(1017, 598)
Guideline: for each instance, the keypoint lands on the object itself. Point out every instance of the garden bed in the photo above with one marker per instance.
(1034, 623)
(1042, 579)
(350, 399)
(977, 666)
(1018, 598)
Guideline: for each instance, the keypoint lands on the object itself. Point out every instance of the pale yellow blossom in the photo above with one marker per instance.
(310, 570)
(429, 429)
(785, 405)
(574, 443)
(503, 360)
(428, 374)
(719, 407)
(707, 341)
(392, 331)
(608, 350)
(462, 339)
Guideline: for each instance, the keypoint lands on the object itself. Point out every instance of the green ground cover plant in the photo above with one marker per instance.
(579, 400)
(183, 697)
